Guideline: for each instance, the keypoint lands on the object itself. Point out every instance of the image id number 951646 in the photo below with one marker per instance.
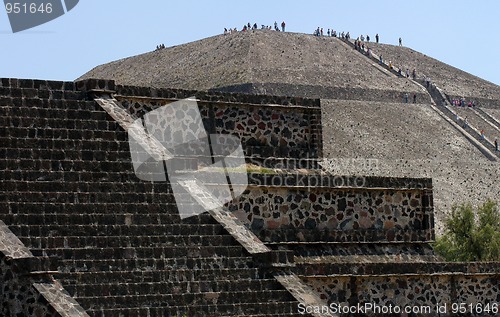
(28, 8)
(472, 309)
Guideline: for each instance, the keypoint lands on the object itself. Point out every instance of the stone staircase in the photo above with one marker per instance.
(358, 246)
(111, 245)
(490, 117)
(69, 193)
(479, 123)
(442, 103)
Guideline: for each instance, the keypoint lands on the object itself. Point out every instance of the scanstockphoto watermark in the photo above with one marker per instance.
(24, 15)
(343, 164)
(171, 144)
(307, 181)
(365, 308)
(469, 309)
(296, 173)
(333, 165)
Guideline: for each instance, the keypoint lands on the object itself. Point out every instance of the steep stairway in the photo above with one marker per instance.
(494, 118)
(69, 193)
(442, 105)
(467, 128)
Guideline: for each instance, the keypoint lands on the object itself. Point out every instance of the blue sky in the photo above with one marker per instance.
(461, 33)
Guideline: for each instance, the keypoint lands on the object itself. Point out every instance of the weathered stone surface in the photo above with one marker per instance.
(425, 293)
(335, 213)
(60, 300)
(306, 65)
(69, 191)
(10, 245)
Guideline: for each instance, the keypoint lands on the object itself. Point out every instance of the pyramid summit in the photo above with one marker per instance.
(291, 64)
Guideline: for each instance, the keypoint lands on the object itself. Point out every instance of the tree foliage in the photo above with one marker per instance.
(471, 235)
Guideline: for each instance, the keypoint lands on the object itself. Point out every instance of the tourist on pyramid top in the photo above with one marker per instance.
(283, 26)
(368, 38)
(400, 42)
(376, 37)
(328, 32)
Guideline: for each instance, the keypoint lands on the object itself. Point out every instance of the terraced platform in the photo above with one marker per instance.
(340, 205)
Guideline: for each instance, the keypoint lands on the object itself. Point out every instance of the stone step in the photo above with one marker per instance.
(45, 99)
(145, 267)
(95, 217)
(33, 147)
(44, 92)
(33, 108)
(43, 133)
(122, 241)
(89, 197)
(122, 288)
(191, 270)
(292, 235)
(274, 309)
(191, 299)
(68, 161)
(98, 121)
(130, 208)
(347, 249)
(140, 252)
(115, 230)
(86, 187)
(63, 176)
(34, 163)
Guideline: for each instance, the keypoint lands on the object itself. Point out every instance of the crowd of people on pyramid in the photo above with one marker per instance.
(461, 102)
(250, 27)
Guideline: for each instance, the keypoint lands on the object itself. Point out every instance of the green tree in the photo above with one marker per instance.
(471, 238)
